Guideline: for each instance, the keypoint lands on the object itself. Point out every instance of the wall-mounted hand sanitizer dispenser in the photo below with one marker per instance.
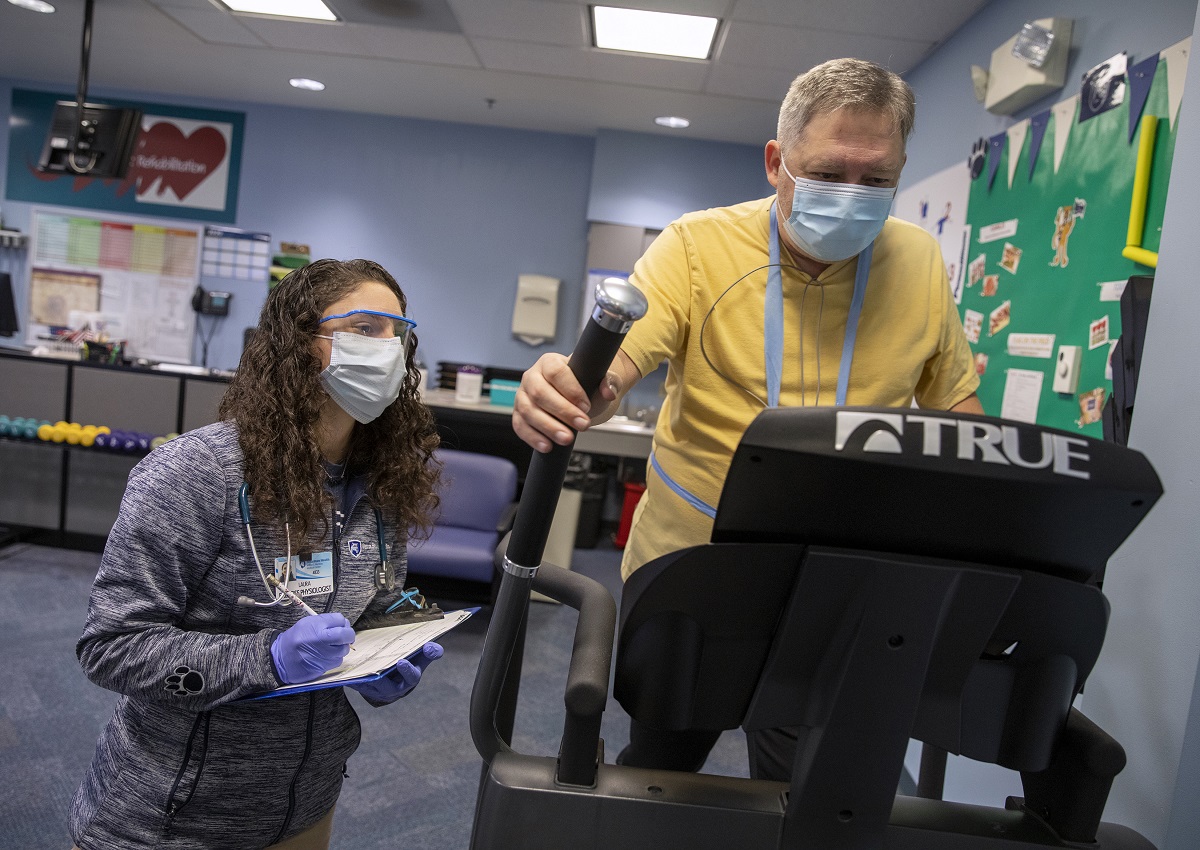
(535, 315)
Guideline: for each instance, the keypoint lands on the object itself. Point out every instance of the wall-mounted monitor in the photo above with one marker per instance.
(106, 136)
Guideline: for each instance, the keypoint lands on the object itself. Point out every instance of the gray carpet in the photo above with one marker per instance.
(412, 782)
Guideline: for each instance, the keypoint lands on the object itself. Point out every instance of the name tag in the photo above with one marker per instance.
(312, 573)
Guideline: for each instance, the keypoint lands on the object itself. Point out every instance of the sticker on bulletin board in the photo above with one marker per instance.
(1111, 290)
(972, 325)
(999, 318)
(1031, 345)
(1011, 258)
(976, 270)
(1098, 333)
(999, 230)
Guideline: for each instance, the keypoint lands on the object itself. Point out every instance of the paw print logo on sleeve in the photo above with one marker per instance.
(976, 159)
(185, 682)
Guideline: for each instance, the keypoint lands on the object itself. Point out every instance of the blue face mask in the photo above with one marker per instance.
(834, 221)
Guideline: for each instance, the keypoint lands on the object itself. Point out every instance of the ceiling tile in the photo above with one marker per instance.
(731, 80)
(911, 19)
(796, 50)
(709, 8)
(211, 25)
(564, 24)
(411, 46)
(586, 63)
(304, 35)
(424, 15)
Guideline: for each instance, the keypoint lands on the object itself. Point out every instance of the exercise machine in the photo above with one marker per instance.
(894, 574)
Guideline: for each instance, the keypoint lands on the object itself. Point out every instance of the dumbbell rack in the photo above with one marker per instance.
(60, 535)
(63, 495)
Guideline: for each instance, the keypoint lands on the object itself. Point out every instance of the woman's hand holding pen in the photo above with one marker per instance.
(313, 646)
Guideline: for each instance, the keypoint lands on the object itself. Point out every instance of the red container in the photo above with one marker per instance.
(633, 495)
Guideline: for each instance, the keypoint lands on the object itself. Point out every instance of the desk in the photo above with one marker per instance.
(78, 491)
(485, 427)
(619, 437)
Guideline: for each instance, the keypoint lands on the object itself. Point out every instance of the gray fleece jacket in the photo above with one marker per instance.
(181, 764)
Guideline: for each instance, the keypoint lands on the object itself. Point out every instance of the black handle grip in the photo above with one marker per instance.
(618, 305)
(595, 352)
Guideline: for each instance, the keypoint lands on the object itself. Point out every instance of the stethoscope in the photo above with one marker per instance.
(276, 587)
(773, 345)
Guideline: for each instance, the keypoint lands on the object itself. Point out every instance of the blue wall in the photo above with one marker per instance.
(645, 181)
(456, 212)
(1143, 688)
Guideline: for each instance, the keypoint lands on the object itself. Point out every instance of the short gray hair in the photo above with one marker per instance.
(845, 83)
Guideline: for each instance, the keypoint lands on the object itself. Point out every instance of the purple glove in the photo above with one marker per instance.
(313, 646)
(402, 678)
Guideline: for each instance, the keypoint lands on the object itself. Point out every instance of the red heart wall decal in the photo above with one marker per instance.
(180, 162)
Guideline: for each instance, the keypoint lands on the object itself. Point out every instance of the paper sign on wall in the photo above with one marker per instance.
(1022, 391)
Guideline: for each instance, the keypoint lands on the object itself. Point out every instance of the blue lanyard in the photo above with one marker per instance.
(773, 347)
(773, 320)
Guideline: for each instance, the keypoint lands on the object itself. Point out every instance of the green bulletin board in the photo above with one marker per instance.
(1064, 231)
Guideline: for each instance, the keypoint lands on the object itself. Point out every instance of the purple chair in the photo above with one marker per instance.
(478, 503)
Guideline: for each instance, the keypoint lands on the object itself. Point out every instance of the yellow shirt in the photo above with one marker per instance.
(910, 345)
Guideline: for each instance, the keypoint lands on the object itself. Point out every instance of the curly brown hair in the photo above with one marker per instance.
(276, 397)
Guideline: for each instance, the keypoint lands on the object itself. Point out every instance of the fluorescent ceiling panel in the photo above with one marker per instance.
(311, 9)
(663, 33)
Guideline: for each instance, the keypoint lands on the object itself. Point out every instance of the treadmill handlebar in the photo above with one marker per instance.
(618, 306)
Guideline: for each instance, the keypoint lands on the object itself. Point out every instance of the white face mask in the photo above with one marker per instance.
(365, 374)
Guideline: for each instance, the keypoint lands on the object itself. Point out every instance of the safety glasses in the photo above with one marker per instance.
(372, 323)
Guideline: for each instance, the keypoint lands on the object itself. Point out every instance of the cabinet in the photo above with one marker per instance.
(64, 495)
(67, 495)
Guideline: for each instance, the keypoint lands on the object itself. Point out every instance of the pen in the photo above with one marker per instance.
(295, 597)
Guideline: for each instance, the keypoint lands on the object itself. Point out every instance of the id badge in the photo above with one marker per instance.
(312, 573)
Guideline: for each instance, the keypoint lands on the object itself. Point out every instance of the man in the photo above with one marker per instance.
(811, 296)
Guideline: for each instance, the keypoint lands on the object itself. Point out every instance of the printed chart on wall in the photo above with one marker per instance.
(133, 278)
(1065, 207)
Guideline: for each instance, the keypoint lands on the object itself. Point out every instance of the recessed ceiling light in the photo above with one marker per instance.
(664, 33)
(33, 5)
(307, 84)
(311, 9)
(672, 121)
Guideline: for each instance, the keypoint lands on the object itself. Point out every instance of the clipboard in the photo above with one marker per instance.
(378, 651)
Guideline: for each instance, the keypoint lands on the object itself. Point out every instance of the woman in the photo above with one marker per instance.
(323, 455)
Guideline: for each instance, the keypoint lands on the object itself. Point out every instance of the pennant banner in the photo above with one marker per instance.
(1176, 57)
(1064, 120)
(995, 148)
(1141, 77)
(1016, 141)
(1037, 128)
